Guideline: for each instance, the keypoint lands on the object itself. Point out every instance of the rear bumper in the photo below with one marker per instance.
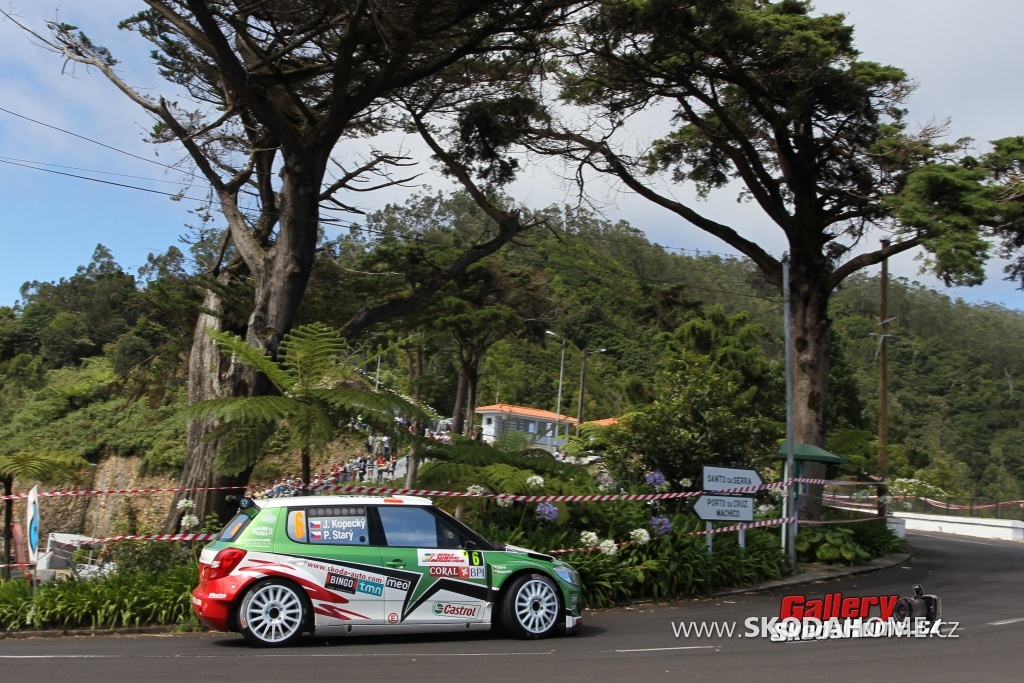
(214, 613)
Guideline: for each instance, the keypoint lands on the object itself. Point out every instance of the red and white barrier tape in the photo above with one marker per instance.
(724, 529)
(385, 491)
(62, 494)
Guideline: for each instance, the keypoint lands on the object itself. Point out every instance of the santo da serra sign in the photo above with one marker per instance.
(724, 478)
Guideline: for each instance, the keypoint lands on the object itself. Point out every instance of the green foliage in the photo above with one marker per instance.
(119, 599)
(831, 545)
(321, 387)
(697, 418)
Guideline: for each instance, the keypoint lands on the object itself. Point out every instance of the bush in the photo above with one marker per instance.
(115, 600)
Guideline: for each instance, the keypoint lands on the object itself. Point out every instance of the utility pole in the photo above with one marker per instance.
(583, 383)
(789, 533)
(883, 381)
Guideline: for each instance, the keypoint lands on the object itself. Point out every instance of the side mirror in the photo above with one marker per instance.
(469, 545)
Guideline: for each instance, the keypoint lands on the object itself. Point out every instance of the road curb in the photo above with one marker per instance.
(87, 632)
(817, 573)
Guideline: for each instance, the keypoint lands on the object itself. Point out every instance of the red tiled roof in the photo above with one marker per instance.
(525, 412)
(607, 422)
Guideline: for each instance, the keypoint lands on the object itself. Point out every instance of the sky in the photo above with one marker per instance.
(963, 56)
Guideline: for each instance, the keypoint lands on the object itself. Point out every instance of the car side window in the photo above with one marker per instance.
(416, 527)
(330, 525)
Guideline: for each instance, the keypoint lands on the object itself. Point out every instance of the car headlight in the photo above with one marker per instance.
(566, 574)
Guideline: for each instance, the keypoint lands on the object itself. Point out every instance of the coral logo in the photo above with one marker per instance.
(454, 609)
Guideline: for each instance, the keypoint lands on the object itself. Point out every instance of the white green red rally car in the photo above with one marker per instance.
(339, 565)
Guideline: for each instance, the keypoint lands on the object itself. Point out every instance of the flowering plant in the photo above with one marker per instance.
(186, 504)
(504, 502)
(535, 481)
(189, 521)
(655, 478)
(608, 547)
(547, 512)
(588, 539)
(476, 489)
(640, 536)
(661, 525)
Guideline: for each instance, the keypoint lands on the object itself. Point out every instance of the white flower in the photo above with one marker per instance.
(588, 539)
(764, 509)
(189, 521)
(186, 504)
(504, 502)
(640, 536)
(608, 547)
(535, 481)
(686, 483)
(477, 489)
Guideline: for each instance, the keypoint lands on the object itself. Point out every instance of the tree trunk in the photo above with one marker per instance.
(8, 483)
(811, 359)
(414, 358)
(207, 379)
(459, 416)
(280, 275)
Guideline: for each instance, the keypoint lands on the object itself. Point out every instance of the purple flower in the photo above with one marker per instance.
(661, 525)
(547, 512)
(655, 478)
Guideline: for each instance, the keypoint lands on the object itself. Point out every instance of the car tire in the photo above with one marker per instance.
(273, 613)
(531, 607)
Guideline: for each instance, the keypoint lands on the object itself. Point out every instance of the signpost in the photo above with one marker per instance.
(32, 524)
(725, 478)
(724, 508)
(729, 507)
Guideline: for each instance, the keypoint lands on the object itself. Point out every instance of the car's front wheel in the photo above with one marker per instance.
(273, 613)
(531, 607)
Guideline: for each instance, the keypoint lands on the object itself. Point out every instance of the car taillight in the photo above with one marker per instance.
(223, 563)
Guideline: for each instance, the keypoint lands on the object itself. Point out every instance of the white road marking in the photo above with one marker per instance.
(296, 654)
(659, 649)
(1005, 621)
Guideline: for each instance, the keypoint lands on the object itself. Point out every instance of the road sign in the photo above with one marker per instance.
(724, 478)
(32, 524)
(724, 508)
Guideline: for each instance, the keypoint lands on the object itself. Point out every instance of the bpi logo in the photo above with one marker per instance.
(450, 609)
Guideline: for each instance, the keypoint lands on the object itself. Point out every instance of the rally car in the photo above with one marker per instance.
(347, 565)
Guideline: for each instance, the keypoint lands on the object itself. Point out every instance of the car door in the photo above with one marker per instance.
(331, 545)
(435, 580)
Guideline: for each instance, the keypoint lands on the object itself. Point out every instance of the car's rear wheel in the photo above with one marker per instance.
(531, 607)
(273, 613)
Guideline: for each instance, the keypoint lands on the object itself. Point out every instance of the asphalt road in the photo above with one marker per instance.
(978, 581)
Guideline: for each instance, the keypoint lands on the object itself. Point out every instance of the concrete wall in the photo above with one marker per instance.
(978, 527)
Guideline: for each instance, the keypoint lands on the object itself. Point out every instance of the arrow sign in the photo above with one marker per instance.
(724, 478)
(724, 508)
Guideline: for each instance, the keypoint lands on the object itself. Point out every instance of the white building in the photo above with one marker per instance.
(545, 429)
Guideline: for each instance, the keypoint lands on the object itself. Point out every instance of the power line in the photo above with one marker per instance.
(87, 170)
(698, 252)
(100, 180)
(87, 139)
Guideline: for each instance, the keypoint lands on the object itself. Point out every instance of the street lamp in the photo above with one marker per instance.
(583, 381)
(561, 373)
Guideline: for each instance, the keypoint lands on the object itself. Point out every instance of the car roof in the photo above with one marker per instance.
(294, 501)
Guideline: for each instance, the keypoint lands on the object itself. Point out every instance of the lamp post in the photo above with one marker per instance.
(561, 374)
(583, 382)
